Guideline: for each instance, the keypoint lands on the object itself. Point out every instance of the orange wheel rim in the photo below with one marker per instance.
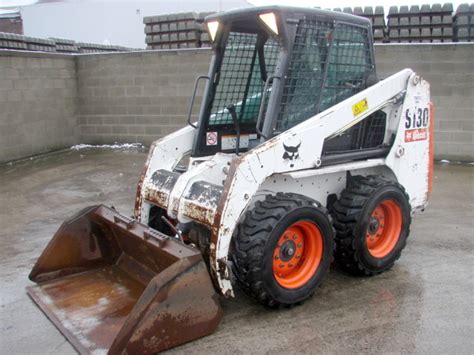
(383, 231)
(297, 254)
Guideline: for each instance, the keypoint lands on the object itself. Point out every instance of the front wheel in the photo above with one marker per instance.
(283, 249)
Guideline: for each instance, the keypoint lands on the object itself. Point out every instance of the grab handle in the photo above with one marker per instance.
(193, 97)
(262, 105)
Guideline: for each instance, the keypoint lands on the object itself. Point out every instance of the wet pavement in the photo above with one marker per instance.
(425, 304)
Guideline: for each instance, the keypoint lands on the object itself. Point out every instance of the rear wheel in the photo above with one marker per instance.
(372, 221)
(283, 248)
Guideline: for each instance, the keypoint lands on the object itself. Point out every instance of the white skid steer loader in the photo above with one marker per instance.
(299, 155)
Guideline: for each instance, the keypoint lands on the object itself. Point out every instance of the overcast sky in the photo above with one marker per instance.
(304, 3)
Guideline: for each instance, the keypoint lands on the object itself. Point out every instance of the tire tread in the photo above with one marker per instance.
(346, 213)
(251, 236)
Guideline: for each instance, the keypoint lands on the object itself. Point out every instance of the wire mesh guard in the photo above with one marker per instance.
(328, 64)
(241, 81)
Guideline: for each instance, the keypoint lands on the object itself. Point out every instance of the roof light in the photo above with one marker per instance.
(270, 21)
(213, 26)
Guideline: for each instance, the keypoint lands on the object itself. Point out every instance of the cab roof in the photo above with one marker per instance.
(287, 12)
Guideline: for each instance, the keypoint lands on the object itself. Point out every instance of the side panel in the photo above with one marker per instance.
(317, 187)
(410, 157)
(319, 184)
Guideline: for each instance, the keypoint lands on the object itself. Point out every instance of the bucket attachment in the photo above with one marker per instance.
(111, 284)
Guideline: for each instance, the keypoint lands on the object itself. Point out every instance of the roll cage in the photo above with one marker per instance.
(263, 82)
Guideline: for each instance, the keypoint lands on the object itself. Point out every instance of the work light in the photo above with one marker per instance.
(213, 26)
(269, 20)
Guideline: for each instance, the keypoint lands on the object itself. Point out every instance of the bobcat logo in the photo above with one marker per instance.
(291, 153)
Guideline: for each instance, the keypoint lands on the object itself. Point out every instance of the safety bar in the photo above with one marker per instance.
(262, 104)
(193, 97)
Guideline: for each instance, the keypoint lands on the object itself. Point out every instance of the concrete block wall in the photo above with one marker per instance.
(137, 97)
(38, 104)
(52, 101)
(450, 71)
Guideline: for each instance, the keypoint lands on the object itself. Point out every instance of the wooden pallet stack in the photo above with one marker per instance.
(39, 44)
(464, 23)
(25, 43)
(377, 18)
(65, 45)
(12, 41)
(375, 15)
(20, 42)
(175, 31)
(99, 48)
(417, 24)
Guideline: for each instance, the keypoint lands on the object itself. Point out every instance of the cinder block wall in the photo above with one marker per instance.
(52, 101)
(137, 97)
(38, 104)
(450, 71)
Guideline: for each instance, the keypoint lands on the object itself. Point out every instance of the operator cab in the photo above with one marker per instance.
(274, 67)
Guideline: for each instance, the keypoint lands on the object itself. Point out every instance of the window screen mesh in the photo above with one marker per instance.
(306, 91)
(349, 63)
(241, 82)
(369, 133)
(305, 73)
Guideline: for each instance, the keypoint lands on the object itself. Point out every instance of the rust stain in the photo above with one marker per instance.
(216, 224)
(159, 187)
(138, 199)
(200, 203)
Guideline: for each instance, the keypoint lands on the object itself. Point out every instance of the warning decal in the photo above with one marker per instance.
(211, 138)
(360, 107)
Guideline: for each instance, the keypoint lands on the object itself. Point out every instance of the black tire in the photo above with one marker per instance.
(258, 235)
(352, 215)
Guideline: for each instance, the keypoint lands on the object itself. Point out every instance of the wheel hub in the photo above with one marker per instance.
(384, 227)
(374, 225)
(297, 254)
(287, 250)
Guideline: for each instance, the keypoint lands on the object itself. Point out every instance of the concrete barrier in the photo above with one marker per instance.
(141, 96)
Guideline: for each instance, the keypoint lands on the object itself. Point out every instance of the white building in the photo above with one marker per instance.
(107, 21)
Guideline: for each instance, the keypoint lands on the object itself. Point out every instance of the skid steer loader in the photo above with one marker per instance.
(299, 155)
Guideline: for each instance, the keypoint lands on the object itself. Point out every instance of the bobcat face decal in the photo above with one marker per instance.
(291, 153)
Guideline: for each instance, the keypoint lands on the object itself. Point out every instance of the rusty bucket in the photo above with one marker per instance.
(112, 285)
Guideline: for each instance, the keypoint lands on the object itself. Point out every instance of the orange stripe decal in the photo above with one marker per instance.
(431, 149)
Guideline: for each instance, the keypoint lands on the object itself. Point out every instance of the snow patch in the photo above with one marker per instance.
(108, 146)
(445, 161)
